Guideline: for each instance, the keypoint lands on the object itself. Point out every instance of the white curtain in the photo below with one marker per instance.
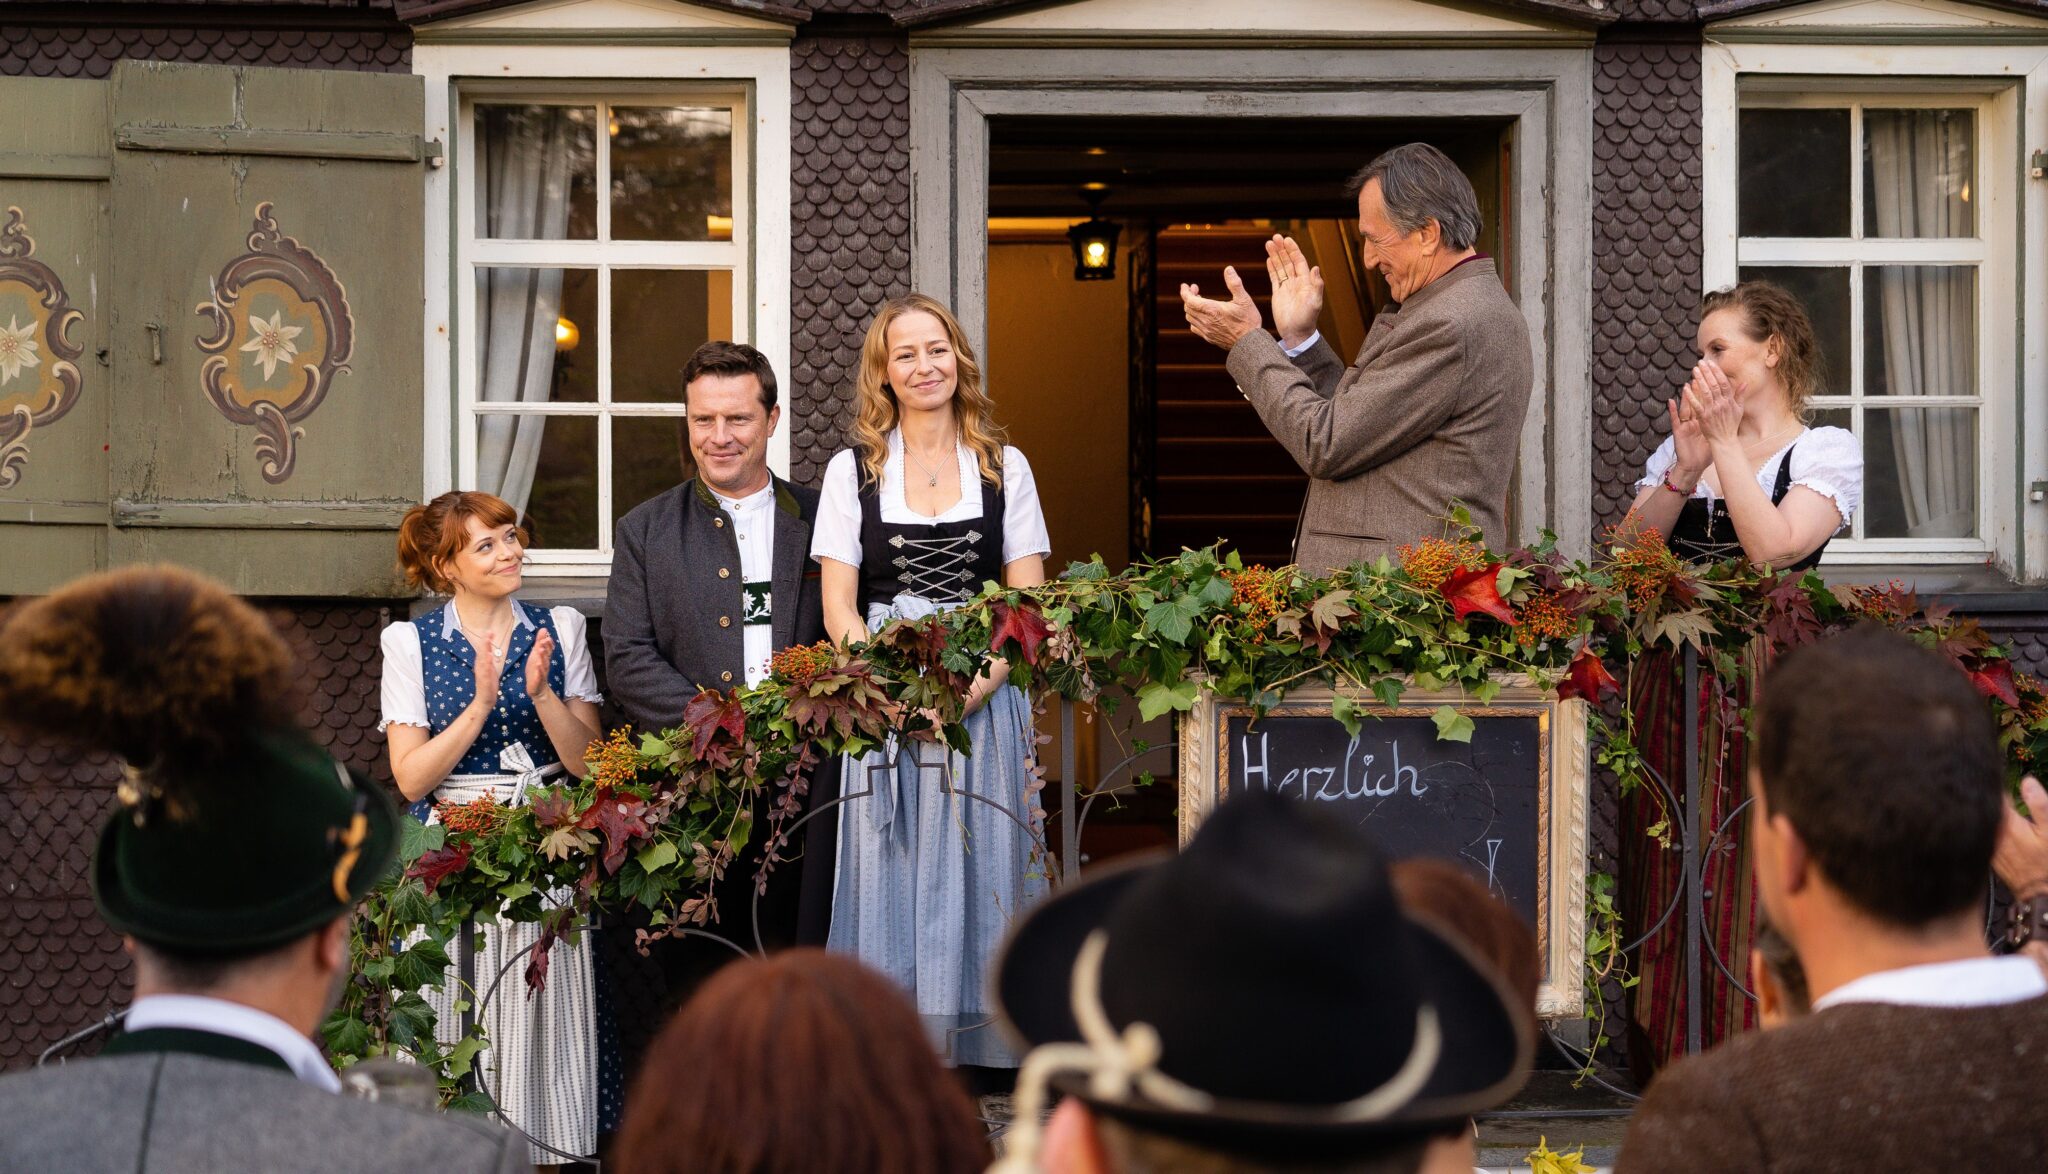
(526, 178)
(1930, 338)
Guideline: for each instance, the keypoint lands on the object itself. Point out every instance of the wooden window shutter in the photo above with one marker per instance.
(266, 328)
(55, 157)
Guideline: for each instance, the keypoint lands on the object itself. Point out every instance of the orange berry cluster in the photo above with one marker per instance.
(1887, 603)
(1260, 592)
(1432, 561)
(1644, 567)
(2033, 702)
(1545, 617)
(614, 761)
(800, 664)
(479, 816)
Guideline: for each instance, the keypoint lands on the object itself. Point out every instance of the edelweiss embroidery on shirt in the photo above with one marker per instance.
(758, 603)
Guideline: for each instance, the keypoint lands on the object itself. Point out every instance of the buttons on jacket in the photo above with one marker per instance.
(725, 676)
(723, 573)
(725, 621)
(718, 522)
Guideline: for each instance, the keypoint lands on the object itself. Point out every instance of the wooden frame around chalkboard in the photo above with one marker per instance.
(1562, 802)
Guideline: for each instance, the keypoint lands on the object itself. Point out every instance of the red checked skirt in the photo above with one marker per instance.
(1652, 864)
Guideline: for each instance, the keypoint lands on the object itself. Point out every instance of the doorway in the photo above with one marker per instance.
(1139, 440)
(1189, 462)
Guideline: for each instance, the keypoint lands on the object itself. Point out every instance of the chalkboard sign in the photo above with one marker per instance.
(1508, 805)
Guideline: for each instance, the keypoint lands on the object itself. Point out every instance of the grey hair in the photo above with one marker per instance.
(1419, 184)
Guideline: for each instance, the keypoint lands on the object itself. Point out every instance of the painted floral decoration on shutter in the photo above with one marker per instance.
(39, 379)
(281, 332)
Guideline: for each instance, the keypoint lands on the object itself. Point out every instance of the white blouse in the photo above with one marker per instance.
(1828, 461)
(836, 533)
(404, 686)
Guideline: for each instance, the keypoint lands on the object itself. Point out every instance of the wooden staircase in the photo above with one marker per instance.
(1216, 472)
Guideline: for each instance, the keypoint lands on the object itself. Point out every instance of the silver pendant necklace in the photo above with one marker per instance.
(930, 478)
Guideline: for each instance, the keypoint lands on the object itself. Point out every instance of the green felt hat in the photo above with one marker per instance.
(280, 842)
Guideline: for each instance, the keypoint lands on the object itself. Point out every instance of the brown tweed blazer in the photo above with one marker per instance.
(1429, 413)
(1864, 1087)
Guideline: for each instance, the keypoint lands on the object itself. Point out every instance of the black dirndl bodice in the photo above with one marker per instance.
(1706, 534)
(941, 562)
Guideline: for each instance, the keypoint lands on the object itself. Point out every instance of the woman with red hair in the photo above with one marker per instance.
(485, 698)
(801, 1063)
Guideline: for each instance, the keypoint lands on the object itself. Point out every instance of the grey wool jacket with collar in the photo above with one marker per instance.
(180, 1113)
(1429, 413)
(672, 621)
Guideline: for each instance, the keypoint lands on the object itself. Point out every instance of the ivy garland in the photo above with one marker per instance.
(654, 824)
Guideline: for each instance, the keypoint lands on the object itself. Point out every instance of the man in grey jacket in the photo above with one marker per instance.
(709, 580)
(231, 865)
(1429, 416)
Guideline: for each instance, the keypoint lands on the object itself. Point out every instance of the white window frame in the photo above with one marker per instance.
(669, 70)
(474, 252)
(2007, 85)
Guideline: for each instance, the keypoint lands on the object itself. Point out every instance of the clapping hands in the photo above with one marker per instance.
(1220, 323)
(1711, 401)
(1297, 290)
(537, 666)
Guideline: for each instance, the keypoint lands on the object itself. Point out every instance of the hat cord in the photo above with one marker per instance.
(1118, 1061)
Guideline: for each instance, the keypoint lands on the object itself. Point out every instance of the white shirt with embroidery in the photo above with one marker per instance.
(836, 534)
(753, 525)
(1827, 460)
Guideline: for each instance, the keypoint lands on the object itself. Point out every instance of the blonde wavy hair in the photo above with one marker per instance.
(875, 401)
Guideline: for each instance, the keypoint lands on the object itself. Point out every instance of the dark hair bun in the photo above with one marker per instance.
(157, 664)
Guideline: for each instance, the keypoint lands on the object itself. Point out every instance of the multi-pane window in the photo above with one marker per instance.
(598, 243)
(1870, 211)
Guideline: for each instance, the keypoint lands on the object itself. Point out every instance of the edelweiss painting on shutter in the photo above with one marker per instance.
(39, 380)
(281, 333)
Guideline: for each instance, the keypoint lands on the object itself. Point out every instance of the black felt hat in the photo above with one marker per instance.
(292, 841)
(1262, 988)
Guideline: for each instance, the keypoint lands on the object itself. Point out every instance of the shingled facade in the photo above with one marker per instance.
(849, 191)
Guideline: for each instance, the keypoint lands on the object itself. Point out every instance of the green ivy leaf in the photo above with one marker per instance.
(657, 856)
(1172, 618)
(1451, 726)
(412, 1020)
(463, 1055)
(416, 839)
(345, 1034)
(1486, 691)
(423, 964)
(1346, 712)
(1155, 698)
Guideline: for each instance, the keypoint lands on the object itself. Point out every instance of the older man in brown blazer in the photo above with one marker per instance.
(1429, 416)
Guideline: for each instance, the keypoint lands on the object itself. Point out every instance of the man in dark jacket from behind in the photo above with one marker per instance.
(1878, 787)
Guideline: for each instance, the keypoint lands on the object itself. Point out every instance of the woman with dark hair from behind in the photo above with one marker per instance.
(801, 1063)
(1460, 904)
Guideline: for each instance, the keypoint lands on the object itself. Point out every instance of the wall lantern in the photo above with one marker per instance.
(1094, 239)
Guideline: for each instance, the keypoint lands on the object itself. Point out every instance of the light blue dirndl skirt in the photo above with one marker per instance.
(929, 880)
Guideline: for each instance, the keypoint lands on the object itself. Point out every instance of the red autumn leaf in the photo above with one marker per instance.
(537, 962)
(1993, 678)
(1789, 619)
(1477, 591)
(1588, 678)
(436, 866)
(1024, 623)
(553, 808)
(620, 819)
(708, 713)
